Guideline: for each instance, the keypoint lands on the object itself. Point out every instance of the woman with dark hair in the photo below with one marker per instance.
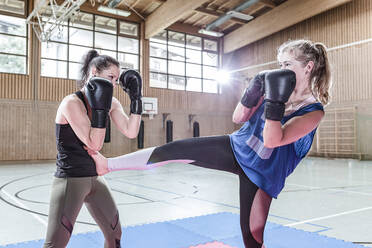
(81, 121)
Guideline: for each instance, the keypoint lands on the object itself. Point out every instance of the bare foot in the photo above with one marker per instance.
(100, 161)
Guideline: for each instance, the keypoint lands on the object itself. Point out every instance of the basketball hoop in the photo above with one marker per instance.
(48, 16)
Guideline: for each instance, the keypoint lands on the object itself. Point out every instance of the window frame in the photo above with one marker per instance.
(94, 31)
(26, 37)
(23, 16)
(186, 48)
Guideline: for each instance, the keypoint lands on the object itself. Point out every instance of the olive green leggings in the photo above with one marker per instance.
(67, 198)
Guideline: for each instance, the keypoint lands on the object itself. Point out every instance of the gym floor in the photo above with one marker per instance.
(331, 197)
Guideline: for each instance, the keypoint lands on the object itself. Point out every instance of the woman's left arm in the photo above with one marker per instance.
(275, 134)
(129, 126)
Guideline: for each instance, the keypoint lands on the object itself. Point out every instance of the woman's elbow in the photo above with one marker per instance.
(235, 120)
(129, 132)
(269, 143)
(132, 135)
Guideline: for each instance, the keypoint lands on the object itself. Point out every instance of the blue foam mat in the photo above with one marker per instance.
(182, 233)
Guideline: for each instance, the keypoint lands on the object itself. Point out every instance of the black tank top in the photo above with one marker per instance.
(72, 159)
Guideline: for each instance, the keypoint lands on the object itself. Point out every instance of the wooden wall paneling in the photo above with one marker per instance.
(25, 124)
(24, 89)
(337, 133)
(332, 28)
(28, 130)
(12, 88)
(45, 129)
(55, 89)
(363, 124)
(15, 86)
(42, 89)
(351, 73)
(33, 139)
(119, 144)
(4, 148)
(27, 87)
(256, 49)
(121, 96)
(10, 133)
(13, 131)
(3, 84)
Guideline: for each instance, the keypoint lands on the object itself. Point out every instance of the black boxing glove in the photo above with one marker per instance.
(98, 92)
(254, 91)
(131, 82)
(279, 85)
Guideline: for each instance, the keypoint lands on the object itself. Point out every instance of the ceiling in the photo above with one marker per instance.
(239, 22)
(208, 12)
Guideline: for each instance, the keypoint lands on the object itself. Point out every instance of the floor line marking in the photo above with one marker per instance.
(338, 190)
(330, 216)
(43, 222)
(294, 220)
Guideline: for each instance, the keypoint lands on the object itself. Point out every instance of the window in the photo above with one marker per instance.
(181, 61)
(62, 55)
(13, 6)
(13, 44)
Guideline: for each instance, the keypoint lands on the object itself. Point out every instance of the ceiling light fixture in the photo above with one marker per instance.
(113, 11)
(211, 33)
(239, 15)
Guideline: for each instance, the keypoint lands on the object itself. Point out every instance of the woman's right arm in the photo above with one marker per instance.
(74, 112)
(242, 114)
(251, 99)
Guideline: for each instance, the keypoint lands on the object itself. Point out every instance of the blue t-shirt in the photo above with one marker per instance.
(269, 167)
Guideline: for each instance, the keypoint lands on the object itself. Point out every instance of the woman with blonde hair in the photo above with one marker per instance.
(281, 110)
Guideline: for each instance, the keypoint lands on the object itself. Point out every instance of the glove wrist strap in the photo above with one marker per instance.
(136, 107)
(99, 118)
(274, 110)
